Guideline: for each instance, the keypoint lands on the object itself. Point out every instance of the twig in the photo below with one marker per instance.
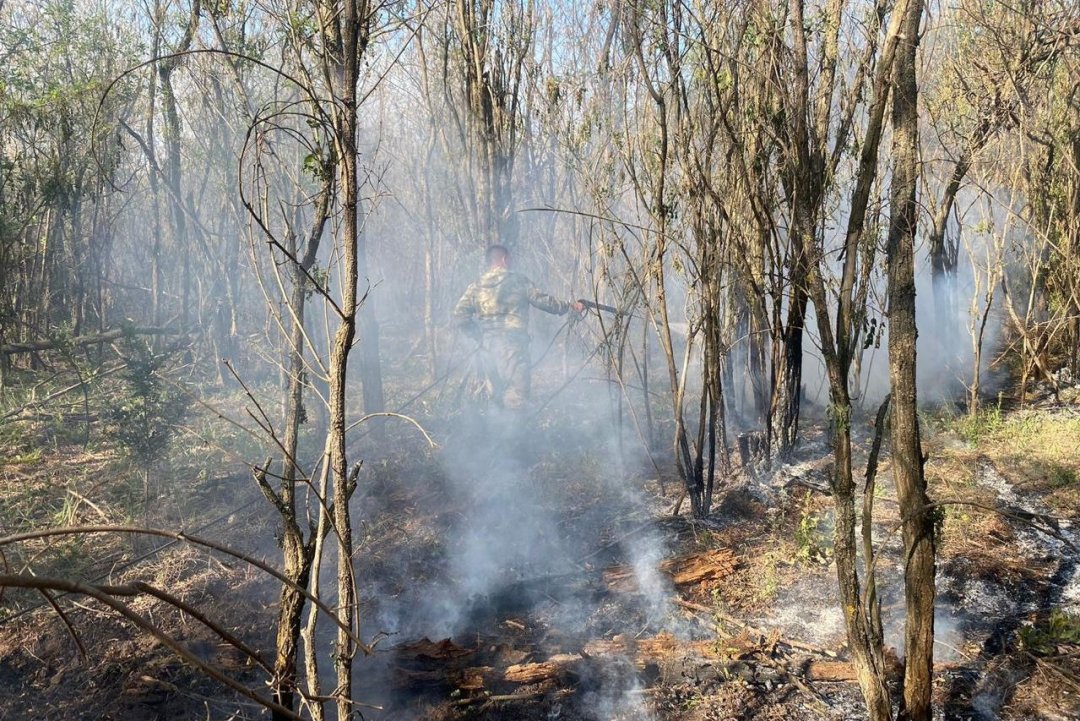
(616, 542)
(265, 424)
(105, 595)
(391, 414)
(1072, 679)
(181, 536)
(727, 618)
(206, 621)
(90, 503)
(499, 699)
(796, 681)
(67, 622)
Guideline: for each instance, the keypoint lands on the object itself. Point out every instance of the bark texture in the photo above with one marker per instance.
(918, 522)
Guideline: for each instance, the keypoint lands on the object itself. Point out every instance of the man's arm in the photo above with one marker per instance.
(549, 303)
(465, 313)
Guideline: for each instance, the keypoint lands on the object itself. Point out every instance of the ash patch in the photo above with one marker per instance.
(809, 611)
(975, 596)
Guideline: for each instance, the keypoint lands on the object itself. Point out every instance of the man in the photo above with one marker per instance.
(495, 311)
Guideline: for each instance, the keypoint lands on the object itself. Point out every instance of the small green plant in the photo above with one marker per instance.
(769, 582)
(1061, 477)
(67, 513)
(28, 458)
(1059, 628)
(811, 539)
(145, 420)
(973, 427)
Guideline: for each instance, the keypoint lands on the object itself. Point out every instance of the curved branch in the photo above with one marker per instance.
(186, 538)
(105, 594)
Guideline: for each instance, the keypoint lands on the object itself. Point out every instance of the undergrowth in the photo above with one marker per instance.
(1058, 629)
(975, 427)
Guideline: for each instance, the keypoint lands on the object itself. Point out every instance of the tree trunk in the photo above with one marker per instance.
(866, 646)
(353, 15)
(918, 522)
(297, 568)
(173, 178)
(787, 361)
(297, 552)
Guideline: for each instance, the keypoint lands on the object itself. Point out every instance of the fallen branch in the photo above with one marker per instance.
(1069, 678)
(500, 699)
(727, 618)
(107, 596)
(194, 540)
(63, 391)
(108, 336)
(795, 679)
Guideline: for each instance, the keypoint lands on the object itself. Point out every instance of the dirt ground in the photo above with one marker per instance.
(634, 614)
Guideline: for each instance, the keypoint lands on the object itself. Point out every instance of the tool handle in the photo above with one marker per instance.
(598, 306)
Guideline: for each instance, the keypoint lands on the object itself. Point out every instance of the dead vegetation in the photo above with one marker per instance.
(733, 635)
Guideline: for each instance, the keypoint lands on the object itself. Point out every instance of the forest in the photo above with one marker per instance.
(792, 430)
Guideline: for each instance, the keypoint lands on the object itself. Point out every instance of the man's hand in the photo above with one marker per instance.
(578, 307)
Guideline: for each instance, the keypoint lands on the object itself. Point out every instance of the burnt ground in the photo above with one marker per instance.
(558, 584)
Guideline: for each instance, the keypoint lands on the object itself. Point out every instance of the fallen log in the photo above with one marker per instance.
(830, 671)
(108, 336)
(684, 570)
(554, 667)
(843, 672)
(473, 678)
(663, 646)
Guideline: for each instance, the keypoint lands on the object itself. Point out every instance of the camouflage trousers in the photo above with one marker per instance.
(504, 357)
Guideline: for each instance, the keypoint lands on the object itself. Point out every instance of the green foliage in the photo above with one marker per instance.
(28, 458)
(1059, 628)
(975, 426)
(145, 420)
(1062, 476)
(839, 416)
(769, 581)
(812, 541)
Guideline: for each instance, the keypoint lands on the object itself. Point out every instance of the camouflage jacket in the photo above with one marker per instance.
(500, 301)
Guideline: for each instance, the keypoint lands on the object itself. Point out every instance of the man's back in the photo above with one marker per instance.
(500, 300)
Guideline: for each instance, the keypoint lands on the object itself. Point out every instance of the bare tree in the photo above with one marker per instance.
(907, 457)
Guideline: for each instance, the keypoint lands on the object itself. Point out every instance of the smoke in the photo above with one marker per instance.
(519, 522)
(957, 314)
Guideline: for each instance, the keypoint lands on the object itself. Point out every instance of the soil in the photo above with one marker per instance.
(625, 611)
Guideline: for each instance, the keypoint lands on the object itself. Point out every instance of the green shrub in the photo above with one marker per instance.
(149, 410)
(1059, 628)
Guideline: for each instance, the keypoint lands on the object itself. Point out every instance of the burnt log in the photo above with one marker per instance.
(684, 570)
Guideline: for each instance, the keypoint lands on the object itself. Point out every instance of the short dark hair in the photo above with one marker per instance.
(495, 253)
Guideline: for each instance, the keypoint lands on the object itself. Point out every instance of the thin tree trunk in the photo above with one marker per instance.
(866, 648)
(787, 360)
(298, 553)
(353, 14)
(918, 522)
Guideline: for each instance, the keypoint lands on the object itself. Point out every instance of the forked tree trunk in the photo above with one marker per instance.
(298, 552)
(863, 639)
